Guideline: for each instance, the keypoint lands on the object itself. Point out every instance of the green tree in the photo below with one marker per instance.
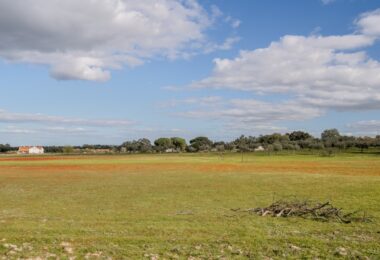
(220, 146)
(144, 145)
(179, 143)
(270, 148)
(363, 143)
(330, 137)
(5, 148)
(201, 143)
(163, 143)
(277, 147)
(299, 135)
(68, 149)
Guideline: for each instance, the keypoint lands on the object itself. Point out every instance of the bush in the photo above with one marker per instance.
(327, 153)
(68, 149)
(277, 147)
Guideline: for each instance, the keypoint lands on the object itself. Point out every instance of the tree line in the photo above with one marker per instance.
(330, 139)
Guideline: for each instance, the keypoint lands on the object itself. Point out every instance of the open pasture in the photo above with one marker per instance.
(179, 206)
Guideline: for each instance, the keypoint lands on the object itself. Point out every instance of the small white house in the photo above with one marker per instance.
(31, 150)
(36, 150)
(259, 149)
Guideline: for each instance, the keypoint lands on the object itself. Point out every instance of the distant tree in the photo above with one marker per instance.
(129, 146)
(53, 149)
(88, 146)
(299, 136)
(317, 145)
(190, 149)
(163, 144)
(242, 143)
(289, 146)
(220, 146)
(340, 145)
(277, 147)
(363, 143)
(229, 146)
(306, 144)
(5, 148)
(349, 141)
(201, 143)
(330, 137)
(68, 149)
(179, 143)
(270, 139)
(270, 148)
(144, 145)
(377, 141)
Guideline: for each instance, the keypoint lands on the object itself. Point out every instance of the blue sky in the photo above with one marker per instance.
(109, 71)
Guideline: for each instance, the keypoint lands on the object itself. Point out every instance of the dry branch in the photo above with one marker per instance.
(306, 209)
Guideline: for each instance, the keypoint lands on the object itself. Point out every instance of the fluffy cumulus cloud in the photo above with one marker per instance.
(368, 23)
(325, 72)
(86, 39)
(309, 75)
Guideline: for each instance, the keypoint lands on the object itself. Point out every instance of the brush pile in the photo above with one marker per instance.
(306, 209)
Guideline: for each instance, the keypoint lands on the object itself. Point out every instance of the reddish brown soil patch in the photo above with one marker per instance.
(38, 158)
(275, 167)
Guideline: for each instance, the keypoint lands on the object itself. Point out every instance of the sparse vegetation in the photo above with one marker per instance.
(167, 206)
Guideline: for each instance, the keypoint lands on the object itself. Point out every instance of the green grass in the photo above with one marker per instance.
(178, 206)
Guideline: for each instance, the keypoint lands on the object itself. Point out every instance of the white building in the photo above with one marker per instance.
(31, 150)
(259, 149)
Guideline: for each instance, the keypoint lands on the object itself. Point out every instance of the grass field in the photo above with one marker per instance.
(178, 206)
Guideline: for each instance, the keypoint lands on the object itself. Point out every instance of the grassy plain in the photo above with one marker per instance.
(178, 206)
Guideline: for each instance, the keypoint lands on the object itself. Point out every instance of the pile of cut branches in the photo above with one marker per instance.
(306, 209)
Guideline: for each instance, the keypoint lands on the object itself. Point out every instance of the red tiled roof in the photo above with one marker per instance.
(26, 148)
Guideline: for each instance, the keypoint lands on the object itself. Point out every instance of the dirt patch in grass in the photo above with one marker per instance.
(340, 168)
(37, 158)
(295, 167)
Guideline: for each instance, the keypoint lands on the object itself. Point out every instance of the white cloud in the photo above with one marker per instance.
(248, 115)
(226, 45)
(235, 23)
(9, 117)
(326, 2)
(85, 39)
(255, 111)
(18, 131)
(369, 23)
(10, 129)
(326, 72)
(253, 129)
(199, 101)
(309, 75)
(369, 125)
(364, 128)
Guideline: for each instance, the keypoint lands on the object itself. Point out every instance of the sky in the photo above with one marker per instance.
(103, 72)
